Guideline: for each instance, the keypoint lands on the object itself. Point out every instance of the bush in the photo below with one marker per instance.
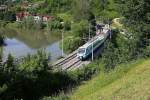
(1, 40)
(31, 79)
(67, 26)
(72, 43)
(146, 52)
(118, 50)
(55, 24)
(36, 62)
(86, 72)
(8, 16)
(30, 23)
(80, 29)
(3, 23)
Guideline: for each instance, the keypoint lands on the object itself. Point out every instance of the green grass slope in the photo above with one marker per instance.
(127, 82)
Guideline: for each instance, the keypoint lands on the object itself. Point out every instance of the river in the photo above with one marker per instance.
(23, 42)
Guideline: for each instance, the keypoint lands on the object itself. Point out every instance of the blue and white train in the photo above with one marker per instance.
(86, 50)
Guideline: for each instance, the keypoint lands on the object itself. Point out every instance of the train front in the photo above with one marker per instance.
(81, 53)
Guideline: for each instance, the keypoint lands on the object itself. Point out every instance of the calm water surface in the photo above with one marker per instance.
(20, 43)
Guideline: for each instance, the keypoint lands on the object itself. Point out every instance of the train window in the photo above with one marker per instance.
(81, 50)
(88, 50)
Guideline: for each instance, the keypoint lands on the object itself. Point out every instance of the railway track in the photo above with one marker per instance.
(75, 66)
(71, 64)
(65, 60)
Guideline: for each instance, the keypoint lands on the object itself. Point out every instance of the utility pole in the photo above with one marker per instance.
(62, 34)
(92, 52)
(47, 26)
(109, 30)
(62, 43)
(92, 42)
(89, 31)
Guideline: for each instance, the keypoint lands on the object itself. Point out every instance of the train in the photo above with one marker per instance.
(86, 50)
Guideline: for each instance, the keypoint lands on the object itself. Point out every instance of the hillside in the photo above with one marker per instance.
(129, 82)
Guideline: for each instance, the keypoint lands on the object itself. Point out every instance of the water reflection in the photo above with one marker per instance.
(20, 42)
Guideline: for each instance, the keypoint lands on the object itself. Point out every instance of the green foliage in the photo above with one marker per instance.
(105, 8)
(67, 25)
(3, 88)
(122, 82)
(9, 66)
(146, 52)
(65, 16)
(30, 23)
(110, 56)
(81, 9)
(54, 6)
(136, 19)
(8, 16)
(55, 24)
(33, 63)
(87, 72)
(31, 79)
(1, 54)
(2, 38)
(71, 43)
(120, 49)
(80, 29)
(3, 23)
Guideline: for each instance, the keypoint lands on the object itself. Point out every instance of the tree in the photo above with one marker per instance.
(71, 43)
(99, 5)
(81, 10)
(1, 40)
(120, 49)
(10, 66)
(136, 13)
(110, 56)
(81, 29)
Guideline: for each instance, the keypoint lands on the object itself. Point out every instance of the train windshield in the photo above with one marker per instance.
(81, 51)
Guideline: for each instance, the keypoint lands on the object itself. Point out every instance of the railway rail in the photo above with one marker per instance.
(65, 60)
(72, 62)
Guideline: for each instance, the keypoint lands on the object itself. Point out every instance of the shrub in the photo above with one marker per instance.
(55, 24)
(1, 40)
(67, 26)
(80, 29)
(71, 43)
(3, 23)
(146, 52)
(30, 23)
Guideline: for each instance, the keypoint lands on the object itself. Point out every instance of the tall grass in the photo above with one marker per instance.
(94, 88)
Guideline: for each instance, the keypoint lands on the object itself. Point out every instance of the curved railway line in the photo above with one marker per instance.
(65, 60)
(68, 62)
(71, 62)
